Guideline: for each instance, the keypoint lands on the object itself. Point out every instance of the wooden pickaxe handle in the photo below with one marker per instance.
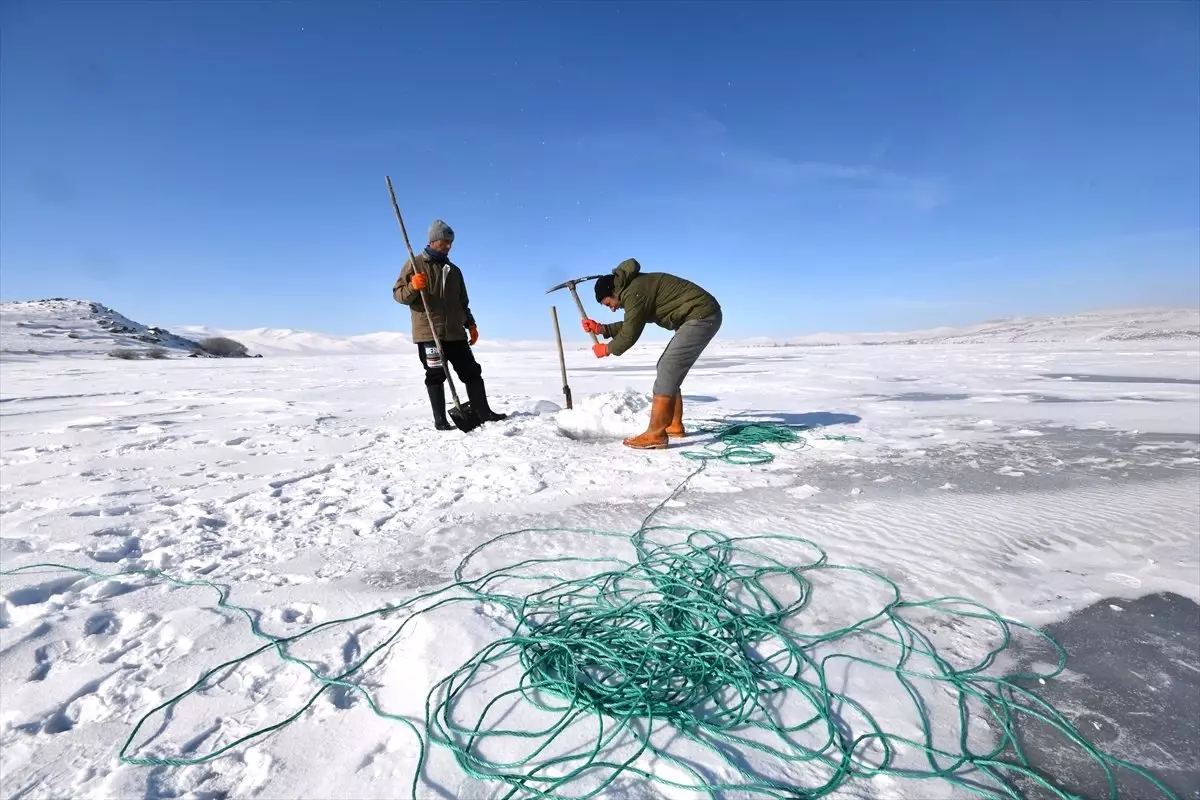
(582, 313)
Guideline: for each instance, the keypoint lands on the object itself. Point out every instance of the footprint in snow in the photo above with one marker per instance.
(129, 548)
(14, 546)
(111, 511)
(78, 707)
(44, 658)
(105, 623)
(300, 614)
(110, 588)
(342, 697)
(41, 592)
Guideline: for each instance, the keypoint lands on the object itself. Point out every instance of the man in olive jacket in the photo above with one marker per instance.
(431, 277)
(670, 302)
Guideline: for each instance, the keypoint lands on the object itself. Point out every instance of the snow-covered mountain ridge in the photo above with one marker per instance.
(1164, 324)
(286, 341)
(65, 327)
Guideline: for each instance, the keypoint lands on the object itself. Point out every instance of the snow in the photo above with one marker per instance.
(1035, 478)
(1171, 324)
(59, 327)
(285, 341)
(55, 328)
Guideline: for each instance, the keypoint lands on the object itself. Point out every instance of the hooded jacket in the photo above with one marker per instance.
(664, 299)
(449, 305)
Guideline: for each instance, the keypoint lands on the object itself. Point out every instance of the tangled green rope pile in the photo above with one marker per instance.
(695, 661)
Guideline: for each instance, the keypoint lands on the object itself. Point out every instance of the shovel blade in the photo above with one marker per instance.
(465, 419)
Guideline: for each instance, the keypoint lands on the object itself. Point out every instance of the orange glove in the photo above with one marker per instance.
(591, 326)
(601, 350)
(418, 281)
(474, 334)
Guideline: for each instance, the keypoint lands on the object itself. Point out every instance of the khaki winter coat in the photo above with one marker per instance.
(447, 295)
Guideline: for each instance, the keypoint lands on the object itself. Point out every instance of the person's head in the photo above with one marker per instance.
(441, 236)
(606, 292)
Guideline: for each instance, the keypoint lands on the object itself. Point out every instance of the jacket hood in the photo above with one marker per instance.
(625, 272)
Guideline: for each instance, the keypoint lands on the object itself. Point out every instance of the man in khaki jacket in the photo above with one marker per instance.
(433, 278)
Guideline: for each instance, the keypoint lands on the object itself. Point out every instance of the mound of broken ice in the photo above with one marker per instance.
(606, 415)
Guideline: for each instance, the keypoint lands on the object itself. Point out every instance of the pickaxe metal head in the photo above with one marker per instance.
(571, 283)
(575, 296)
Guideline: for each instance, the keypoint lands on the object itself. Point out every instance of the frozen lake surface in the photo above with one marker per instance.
(1050, 483)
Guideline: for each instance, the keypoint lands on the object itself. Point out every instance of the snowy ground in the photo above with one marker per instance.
(1035, 479)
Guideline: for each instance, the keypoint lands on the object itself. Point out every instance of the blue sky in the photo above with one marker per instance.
(837, 167)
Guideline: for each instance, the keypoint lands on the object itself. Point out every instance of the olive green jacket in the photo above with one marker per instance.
(448, 302)
(666, 300)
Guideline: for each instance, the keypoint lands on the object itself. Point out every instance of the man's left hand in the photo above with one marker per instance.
(474, 334)
(601, 350)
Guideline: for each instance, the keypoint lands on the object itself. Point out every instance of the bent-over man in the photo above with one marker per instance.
(670, 302)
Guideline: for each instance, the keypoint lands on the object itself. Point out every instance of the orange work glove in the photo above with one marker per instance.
(601, 350)
(474, 334)
(418, 281)
(591, 326)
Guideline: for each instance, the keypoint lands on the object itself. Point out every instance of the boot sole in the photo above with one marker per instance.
(654, 446)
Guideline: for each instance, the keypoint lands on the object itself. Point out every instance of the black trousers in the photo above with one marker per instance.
(457, 353)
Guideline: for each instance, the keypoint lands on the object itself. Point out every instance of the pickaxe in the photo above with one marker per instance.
(571, 285)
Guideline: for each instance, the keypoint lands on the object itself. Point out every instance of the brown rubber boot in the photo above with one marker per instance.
(655, 437)
(675, 429)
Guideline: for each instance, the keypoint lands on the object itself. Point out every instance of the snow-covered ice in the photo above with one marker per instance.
(1034, 478)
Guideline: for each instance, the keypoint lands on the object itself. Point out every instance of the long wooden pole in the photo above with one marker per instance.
(562, 360)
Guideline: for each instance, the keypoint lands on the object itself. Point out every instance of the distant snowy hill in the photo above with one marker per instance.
(62, 327)
(1175, 324)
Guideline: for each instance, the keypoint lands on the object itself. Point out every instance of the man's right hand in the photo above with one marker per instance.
(418, 281)
(591, 326)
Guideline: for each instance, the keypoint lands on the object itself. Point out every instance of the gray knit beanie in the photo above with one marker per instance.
(440, 230)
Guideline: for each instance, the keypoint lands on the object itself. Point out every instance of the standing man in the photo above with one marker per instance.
(672, 303)
(431, 277)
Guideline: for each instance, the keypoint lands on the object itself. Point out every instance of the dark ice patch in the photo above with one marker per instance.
(1051, 398)
(1133, 691)
(1089, 378)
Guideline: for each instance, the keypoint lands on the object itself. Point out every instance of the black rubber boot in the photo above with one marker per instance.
(437, 399)
(479, 402)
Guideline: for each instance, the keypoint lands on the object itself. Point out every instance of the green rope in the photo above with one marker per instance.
(694, 638)
(745, 442)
